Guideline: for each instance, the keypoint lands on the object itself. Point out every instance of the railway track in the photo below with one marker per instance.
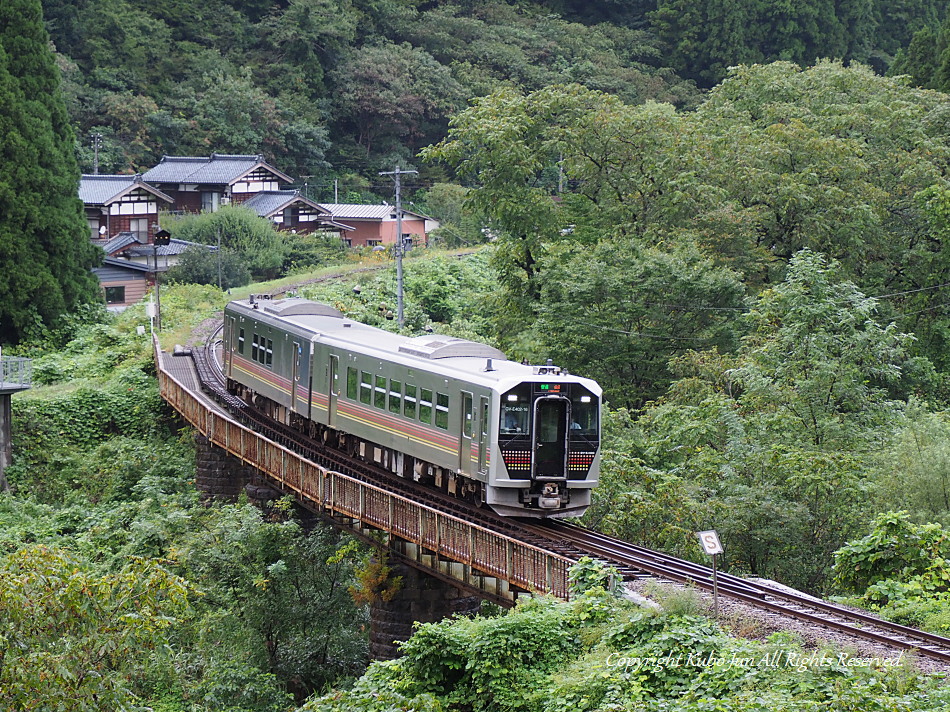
(575, 542)
(632, 560)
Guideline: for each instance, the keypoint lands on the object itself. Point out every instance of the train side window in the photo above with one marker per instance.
(352, 382)
(241, 341)
(410, 402)
(366, 387)
(395, 397)
(254, 348)
(269, 354)
(379, 400)
(425, 406)
(442, 411)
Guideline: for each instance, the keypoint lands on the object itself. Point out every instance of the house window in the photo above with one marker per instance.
(210, 201)
(348, 242)
(374, 243)
(139, 228)
(115, 295)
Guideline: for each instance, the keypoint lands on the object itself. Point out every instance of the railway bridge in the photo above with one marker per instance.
(467, 561)
(464, 554)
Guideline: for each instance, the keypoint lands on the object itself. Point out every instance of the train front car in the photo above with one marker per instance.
(548, 442)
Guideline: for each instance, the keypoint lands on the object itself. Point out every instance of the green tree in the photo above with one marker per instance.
(618, 312)
(198, 265)
(262, 249)
(45, 249)
(75, 640)
(277, 599)
(816, 363)
(397, 96)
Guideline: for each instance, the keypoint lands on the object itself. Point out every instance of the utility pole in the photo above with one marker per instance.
(96, 143)
(399, 242)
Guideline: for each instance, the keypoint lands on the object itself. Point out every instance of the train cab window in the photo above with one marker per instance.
(585, 411)
(352, 382)
(395, 397)
(379, 398)
(409, 407)
(515, 407)
(241, 341)
(425, 406)
(442, 411)
(366, 387)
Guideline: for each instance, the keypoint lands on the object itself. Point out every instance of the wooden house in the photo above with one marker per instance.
(122, 204)
(200, 184)
(291, 211)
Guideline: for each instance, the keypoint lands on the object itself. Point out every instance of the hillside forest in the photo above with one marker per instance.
(734, 216)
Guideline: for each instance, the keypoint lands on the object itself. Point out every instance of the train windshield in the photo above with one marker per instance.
(585, 414)
(515, 410)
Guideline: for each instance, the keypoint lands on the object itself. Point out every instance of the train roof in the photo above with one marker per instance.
(446, 355)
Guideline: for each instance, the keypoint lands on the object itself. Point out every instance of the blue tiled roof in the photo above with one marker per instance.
(218, 169)
(101, 189)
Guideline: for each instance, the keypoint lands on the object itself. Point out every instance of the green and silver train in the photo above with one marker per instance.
(455, 414)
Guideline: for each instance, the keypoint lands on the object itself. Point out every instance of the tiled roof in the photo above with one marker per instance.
(218, 169)
(344, 211)
(123, 264)
(268, 202)
(174, 247)
(102, 189)
(119, 242)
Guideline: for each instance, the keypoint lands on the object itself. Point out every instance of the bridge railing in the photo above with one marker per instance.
(16, 371)
(488, 552)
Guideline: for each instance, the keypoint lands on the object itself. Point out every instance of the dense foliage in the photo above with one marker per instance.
(118, 587)
(45, 254)
(339, 88)
(597, 653)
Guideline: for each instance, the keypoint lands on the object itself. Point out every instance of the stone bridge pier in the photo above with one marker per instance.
(420, 599)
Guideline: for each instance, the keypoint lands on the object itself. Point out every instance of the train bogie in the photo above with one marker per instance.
(452, 413)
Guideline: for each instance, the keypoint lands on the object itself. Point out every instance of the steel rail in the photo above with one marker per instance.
(574, 542)
(788, 603)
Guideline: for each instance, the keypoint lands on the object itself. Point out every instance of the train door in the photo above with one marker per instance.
(295, 381)
(334, 389)
(483, 435)
(230, 344)
(468, 425)
(550, 437)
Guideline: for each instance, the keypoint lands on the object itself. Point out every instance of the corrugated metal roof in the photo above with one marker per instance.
(350, 211)
(103, 189)
(217, 169)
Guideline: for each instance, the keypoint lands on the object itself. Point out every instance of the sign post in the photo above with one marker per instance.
(711, 545)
